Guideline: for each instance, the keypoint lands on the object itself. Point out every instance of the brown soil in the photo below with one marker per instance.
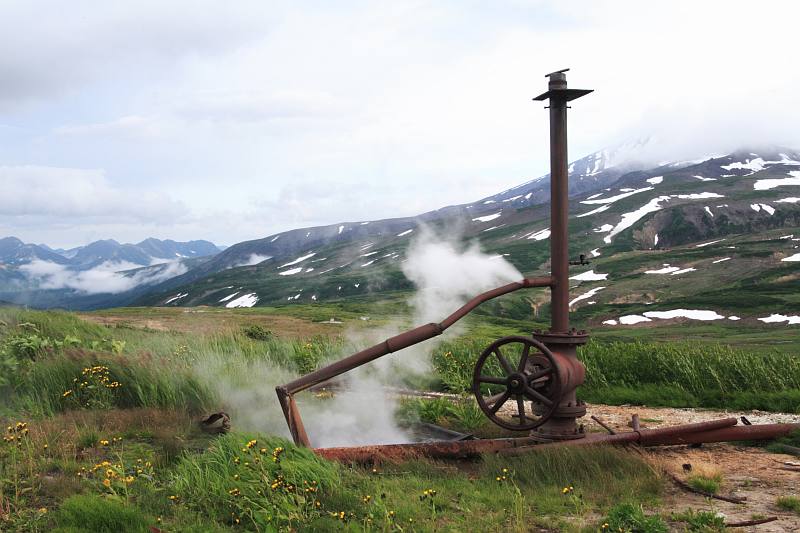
(199, 321)
(747, 472)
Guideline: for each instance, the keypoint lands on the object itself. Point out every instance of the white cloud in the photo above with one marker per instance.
(65, 193)
(219, 104)
(132, 126)
(108, 277)
(253, 259)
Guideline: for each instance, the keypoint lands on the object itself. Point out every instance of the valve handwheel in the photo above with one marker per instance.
(521, 368)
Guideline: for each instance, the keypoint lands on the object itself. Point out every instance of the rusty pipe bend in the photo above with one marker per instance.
(398, 342)
(408, 338)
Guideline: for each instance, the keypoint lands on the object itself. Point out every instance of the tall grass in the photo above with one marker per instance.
(261, 482)
(684, 375)
(688, 366)
(155, 383)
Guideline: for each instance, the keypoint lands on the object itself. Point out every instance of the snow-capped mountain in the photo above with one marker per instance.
(618, 208)
(723, 229)
(42, 276)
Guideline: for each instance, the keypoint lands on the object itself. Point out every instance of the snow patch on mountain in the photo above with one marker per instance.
(539, 235)
(778, 318)
(595, 211)
(586, 295)
(175, 298)
(246, 300)
(589, 275)
(766, 184)
(612, 199)
(299, 260)
(487, 218)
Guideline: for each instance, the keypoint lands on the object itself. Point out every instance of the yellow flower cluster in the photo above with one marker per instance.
(16, 432)
(503, 475)
(311, 487)
(91, 378)
(341, 515)
(112, 473)
(568, 490)
(427, 493)
(280, 483)
(276, 454)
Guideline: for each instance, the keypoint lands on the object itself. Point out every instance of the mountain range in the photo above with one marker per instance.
(718, 232)
(96, 275)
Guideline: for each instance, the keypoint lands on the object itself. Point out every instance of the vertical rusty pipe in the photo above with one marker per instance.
(559, 205)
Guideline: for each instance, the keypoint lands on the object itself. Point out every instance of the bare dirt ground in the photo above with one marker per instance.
(747, 472)
(199, 320)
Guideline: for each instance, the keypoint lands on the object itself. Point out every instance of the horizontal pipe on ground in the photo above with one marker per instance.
(456, 450)
(432, 450)
(754, 432)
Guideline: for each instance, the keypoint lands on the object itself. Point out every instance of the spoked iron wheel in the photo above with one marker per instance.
(521, 369)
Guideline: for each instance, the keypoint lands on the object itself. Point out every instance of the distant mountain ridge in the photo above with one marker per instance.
(735, 201)
(103, 273)
(635, 220)
(148, 252)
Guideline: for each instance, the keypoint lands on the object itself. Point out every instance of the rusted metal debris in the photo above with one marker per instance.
(391, 345)
(548, 372)
(748, 523)
(711, 431)
(433, 450)
(216, 423)
(603, 425)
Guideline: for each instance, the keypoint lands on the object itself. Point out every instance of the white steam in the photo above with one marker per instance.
(446, 275)
(108, 277)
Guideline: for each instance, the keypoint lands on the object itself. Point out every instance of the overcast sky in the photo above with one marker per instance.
(230, 121)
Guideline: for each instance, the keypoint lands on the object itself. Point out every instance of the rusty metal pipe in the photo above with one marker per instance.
(494, 293)
(647, 437)
(559, 208)
(406, 339)
(432, 450)
(754, 432)
(678, 435)
(441, 450)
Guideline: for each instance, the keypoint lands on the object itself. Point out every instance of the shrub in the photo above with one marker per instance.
(789, 503)
(99, 515)
(257, 332)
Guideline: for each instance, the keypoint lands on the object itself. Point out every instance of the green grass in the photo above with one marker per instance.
(789, 503)
(700, 521)
(91, 513)
(167, 377)
(631, 517)
(690, 375)
(709, 484)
